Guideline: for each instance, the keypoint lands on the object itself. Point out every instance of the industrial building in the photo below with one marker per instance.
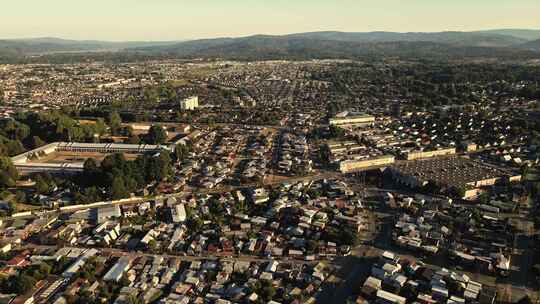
(352, 119)
(64, 168)
(28, 162)
(106, 213)
(350, 156)
(79, 263)
(427, 154)
(448, 172)
(178, 213)
(118, 270)
(190, 103)
(107, 148)
(357, 165)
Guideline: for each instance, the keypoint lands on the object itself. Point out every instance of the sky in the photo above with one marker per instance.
(122, 20)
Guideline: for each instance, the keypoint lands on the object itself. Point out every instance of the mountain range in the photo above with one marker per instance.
(513, 43)
(39, 46)
(532, 45)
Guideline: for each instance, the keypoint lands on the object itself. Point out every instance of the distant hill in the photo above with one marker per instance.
(509, 43)
(347, 45)
(532, 45)
(526, 34)
(46, 45)
(454, 38)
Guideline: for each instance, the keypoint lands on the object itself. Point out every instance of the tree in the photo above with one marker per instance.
(88, 195)
(118, 188)
(23, 283)
(120, 176)
(91, 175)
(113, 161)
(36, 142)
(132, 299)
(324, 154)
(115, 122)
(100, 127)
(14, 147)
(483, 198)
(152, 245)
(128, 131)
(150, 96)
(134, 140)
(12, 207)
(458, 191)
(158, 168)
(44, 269)
(265, 289)
(6, 181)
(157, 135)
(8, 173)
(15, 130)
(90, 166)
(44, 183)
(431, 187)
(336, 132)
(181, 152)
(20, 196)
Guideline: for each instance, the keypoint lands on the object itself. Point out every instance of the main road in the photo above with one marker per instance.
(183, 257)
(136, 200)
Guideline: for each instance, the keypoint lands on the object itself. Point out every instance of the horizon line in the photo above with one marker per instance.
(262, 34)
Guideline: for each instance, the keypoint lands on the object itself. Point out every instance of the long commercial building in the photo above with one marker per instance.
(352, 119)
(427, 154)
(79, 263)
(108, 148)
(64, 168)
(190, 103)
(28, 162)
(448, 172)
(357, 165)
(118, 270)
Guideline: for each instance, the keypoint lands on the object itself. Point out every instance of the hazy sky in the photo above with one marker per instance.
(188, 19)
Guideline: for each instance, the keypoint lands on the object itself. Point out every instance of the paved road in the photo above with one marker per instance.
(137, 200)
(358, 268)
(182, 257)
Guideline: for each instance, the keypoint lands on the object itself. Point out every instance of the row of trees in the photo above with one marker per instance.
(120, 177)
(8, 173)
(26, 279)
(57, 126)
(30, 130)
(12, 135)
(156, 136)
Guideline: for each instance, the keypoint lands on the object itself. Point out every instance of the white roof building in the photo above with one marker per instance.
(178, 213)
(117, 271)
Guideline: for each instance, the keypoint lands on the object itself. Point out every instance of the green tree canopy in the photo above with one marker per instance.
(36, 142)
(120, 177)
(115, 122)
(8, 173)
(156, 135)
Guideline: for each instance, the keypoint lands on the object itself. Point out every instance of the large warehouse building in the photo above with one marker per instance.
(190, 103)
(29, 162)
(352, 119)
(448, 172)
(362, 164)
